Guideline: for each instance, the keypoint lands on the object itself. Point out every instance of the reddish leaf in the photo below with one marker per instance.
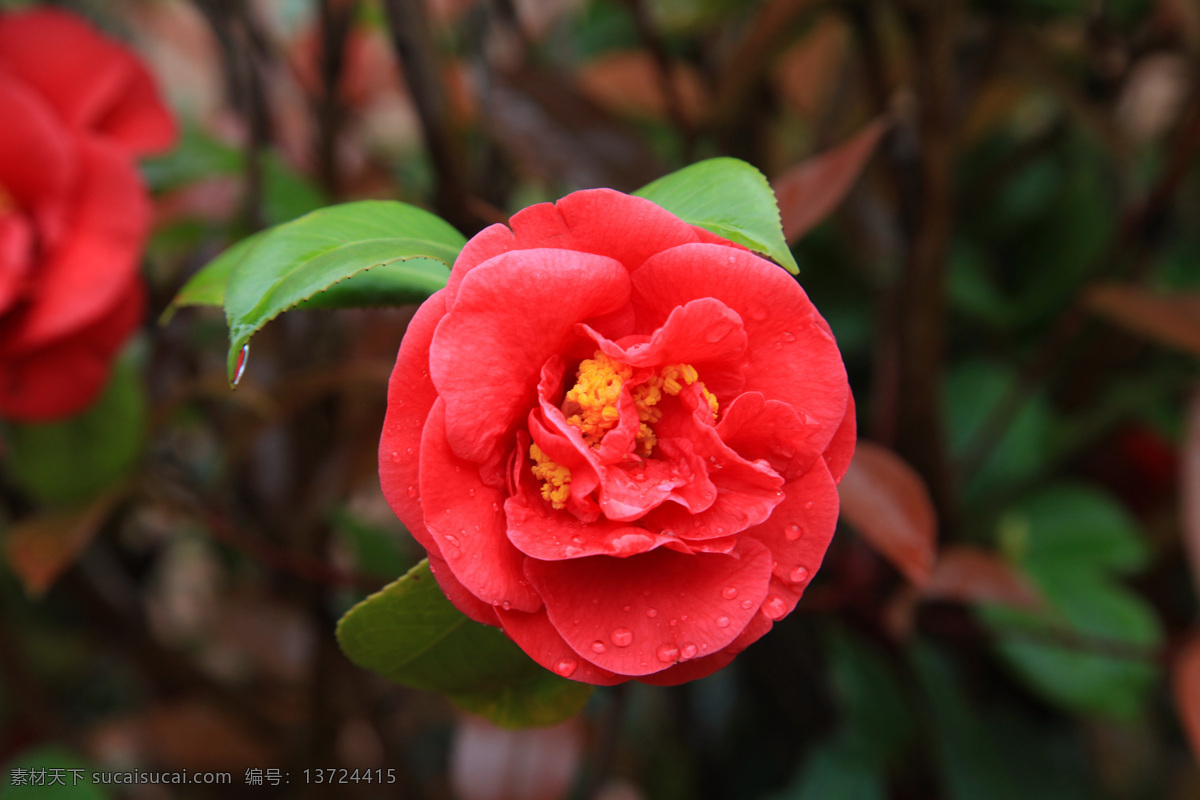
(971, 575)
(804, 74)
(41, 549)
(1171, 319)
(1189, 487)
(889, 505)
(1185, 683)
(490, 763)
(811, 190)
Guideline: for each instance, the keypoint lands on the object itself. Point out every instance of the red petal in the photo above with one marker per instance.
(798, 534)
(792, 355)
(463, 516)
(840, 451)
(540, 531)
(65, 376)
(16, 243)
(599, 221)
(699, 332)
(700, 603)
(38, 161)
(703, 667)
(410, 397)
(759, 428)
(85, 275)
(510, 316)
(746, 491)
(91, 81)
(534, 634)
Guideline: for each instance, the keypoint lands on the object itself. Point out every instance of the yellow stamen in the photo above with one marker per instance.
(592, 401)
(591, 405)
(557, 486)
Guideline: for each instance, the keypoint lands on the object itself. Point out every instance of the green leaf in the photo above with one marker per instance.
(1070, 527)
(409, 250)
(727, 197)
(411, 634)
(207, 286)
(1092, 648)
(65, 462)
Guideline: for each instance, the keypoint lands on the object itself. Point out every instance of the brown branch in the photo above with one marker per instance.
(666, 76)
(413, 41)
(919, 435)
(337, 19)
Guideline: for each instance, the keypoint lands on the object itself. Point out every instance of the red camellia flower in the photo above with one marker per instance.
(73, 211)
(618, 436)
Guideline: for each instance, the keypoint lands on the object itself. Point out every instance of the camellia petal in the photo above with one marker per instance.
(489, 381)
(757, 428)
(464, 517)
(411, 396)
(642, 614)
(793, 357)
(534, 634)
(38, 161)
(92, 82)
(65, 376)
(86, 274)
(841, 448)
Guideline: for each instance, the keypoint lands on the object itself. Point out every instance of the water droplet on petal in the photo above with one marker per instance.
(689, 651)
(507, 606)
(395, 456)
(651, 613)
(674, 622)
(729, 592)
(621, 637)
(758, 313)
(495, 506)
(779, 345)
(667, 653)
(408, 450)
(798, 575)
(566, 667)
(747, 604)
(789, 337)
(471, 492)
(792, 533)
(598, 646)
(452, 540)
(722, 622)
(808, 504)
(240, 369)
(775, 608)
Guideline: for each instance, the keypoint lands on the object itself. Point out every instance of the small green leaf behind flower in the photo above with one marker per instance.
(353, 255)
(727, 197)
(411, 634)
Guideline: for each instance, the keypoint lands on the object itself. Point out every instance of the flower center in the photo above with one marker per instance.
(592, 406)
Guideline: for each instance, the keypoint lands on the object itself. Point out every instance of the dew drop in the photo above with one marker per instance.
(667, 653)
(566, 667)
(722, 622)
(674, 622)
(758, 313)
(395, 456)
(798, 575)
(689, 651)
(747, 604)
(792, 533)
(808, 504)
(471, 492)
(408, 450)
(622, 637)
(495, 506)
(507, 606)
(240, 369)
(598, 646)
(451, 540)
(789, 337)
(729, 592)
(651, 613)
(775, 608)
(779, 345)
(626, 608)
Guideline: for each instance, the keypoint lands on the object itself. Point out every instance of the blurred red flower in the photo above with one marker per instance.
(618, 436)
(73, 210)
